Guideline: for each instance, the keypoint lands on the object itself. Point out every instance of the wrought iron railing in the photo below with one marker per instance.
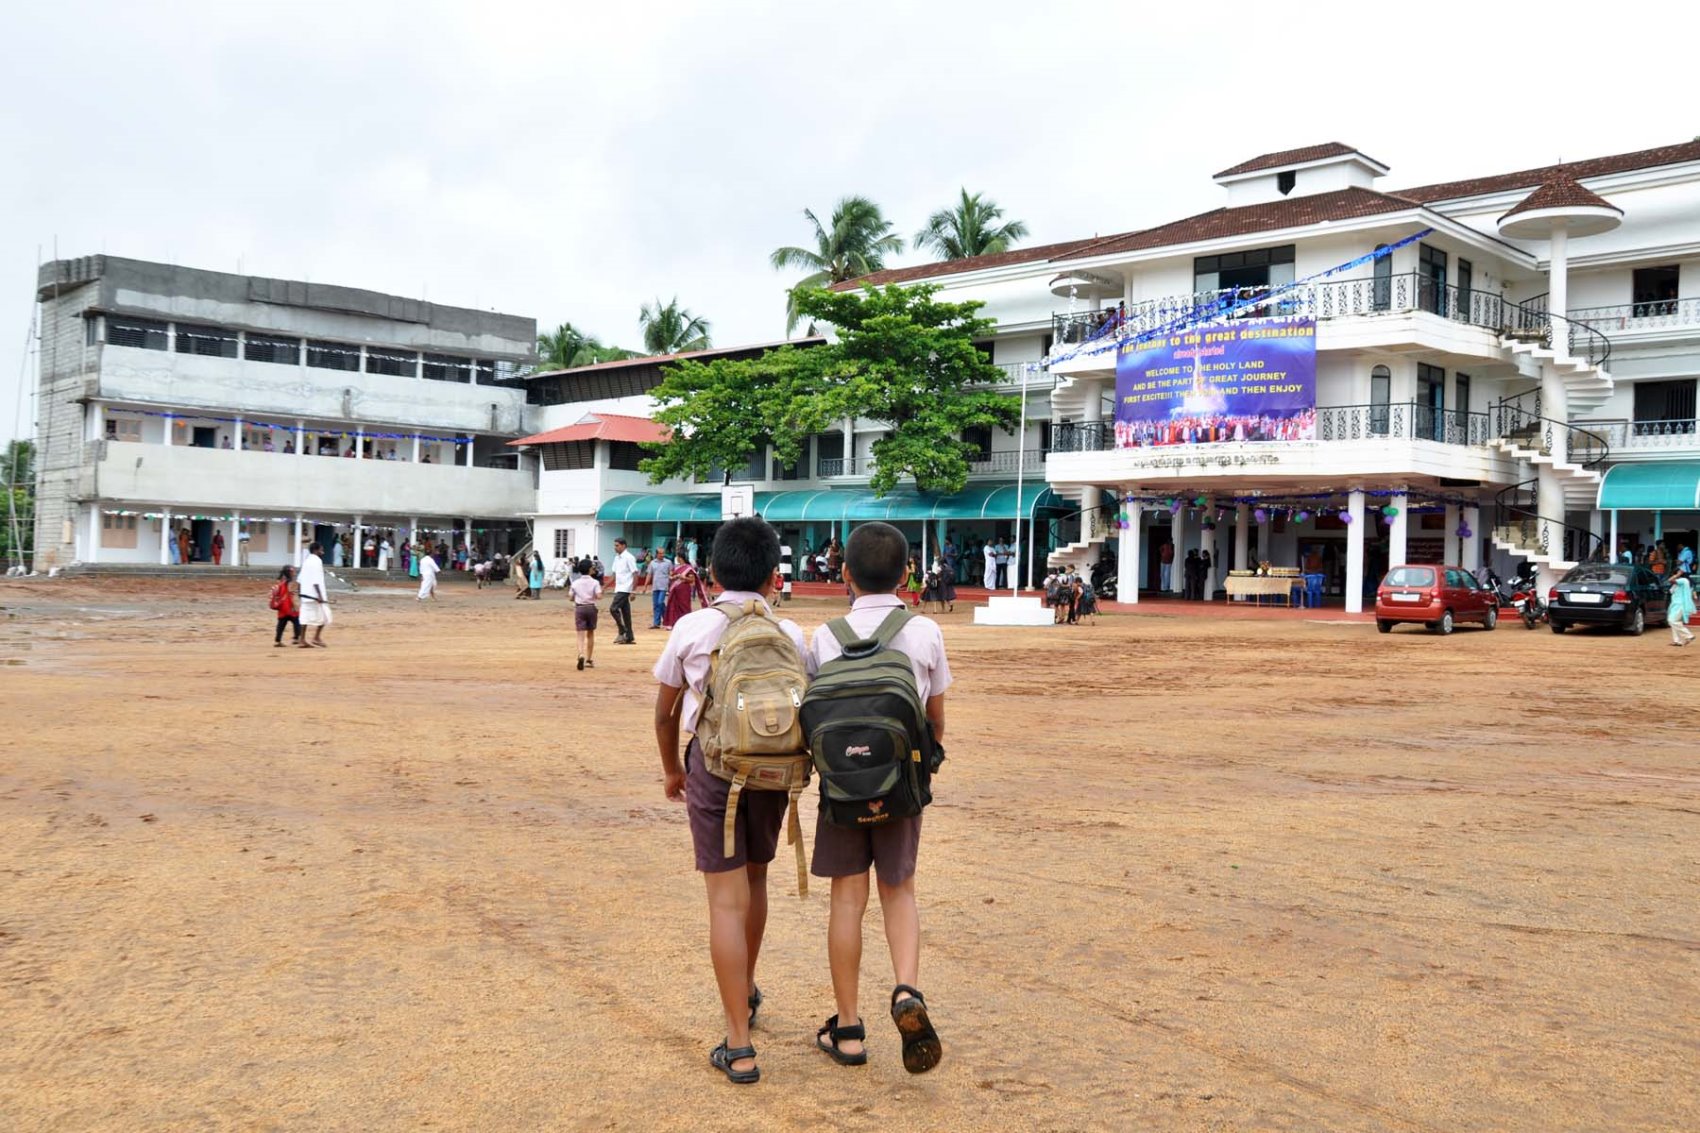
(1520, 524)
(1087, 436)
(1650, 314)
(842, 466)
(1387, 294)
(1404, 420)
(1585, 446)
(1023, 373)
(1682, 433)
(1007, 462)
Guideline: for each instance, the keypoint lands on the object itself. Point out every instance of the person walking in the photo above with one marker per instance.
(315, 602)
(625, 578)
(1681, 607)
(660, 573)
(586, 590)
(242, 538)
(534, 577)
(1166, 560)
(218, 548)
(288, 608)
(1192, 577)
(684, 587)
(427, 577)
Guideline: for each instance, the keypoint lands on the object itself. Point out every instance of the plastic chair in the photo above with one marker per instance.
(1313, 589)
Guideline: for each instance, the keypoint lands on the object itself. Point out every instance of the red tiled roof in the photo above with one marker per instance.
(1286, 157)
(658, 359)
(602, 427)
(1558, 193)
(952, 267)
(1575, 170)
(1218, 224)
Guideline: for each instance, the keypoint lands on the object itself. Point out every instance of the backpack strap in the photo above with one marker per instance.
(854, 645)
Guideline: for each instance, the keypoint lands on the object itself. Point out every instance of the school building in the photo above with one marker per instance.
(175, 400)
(1503, 366)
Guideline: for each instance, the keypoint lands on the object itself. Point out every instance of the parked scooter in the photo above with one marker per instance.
(1104, 581)
(1522, 595)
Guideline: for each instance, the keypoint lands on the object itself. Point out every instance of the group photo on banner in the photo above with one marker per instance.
(1248, 380)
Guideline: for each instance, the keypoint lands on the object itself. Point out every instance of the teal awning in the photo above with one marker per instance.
(659, 507)
(989, 501)
(1665, 485)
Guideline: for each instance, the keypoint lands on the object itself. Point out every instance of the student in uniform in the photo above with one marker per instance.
(745, 562)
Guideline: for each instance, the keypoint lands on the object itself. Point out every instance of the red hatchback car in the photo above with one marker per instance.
(1436, 596)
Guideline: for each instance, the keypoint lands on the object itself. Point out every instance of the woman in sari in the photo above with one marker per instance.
(684, 585)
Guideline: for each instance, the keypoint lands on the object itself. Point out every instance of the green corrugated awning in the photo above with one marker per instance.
(660, 507)
(988, 501)
(1665, 485)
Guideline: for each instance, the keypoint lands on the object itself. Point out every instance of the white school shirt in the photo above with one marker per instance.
(625, 570)
(684, 660)
(586, 590)
(920, 638)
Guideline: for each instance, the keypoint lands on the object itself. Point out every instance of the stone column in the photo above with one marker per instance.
(849, 464)
(300, 450)
(356, 555)
(416, 448)
(170, 427)
(1470, 550)
(94, 532)
(360, 443)
(295, 552)
(1449, 545)
(1242, 537)
(165, 533)
(1611, 548)
(236, 443)
(1398, 532)
(1127, 557)
(1355, 553)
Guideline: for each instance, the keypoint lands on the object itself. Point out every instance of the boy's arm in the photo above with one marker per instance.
(935, 716)
(667, 740)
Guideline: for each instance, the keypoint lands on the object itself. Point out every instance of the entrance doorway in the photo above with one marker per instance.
(205, 437)
(200, 540)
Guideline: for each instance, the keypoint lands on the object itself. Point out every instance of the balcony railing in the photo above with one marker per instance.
(1655, 314)
(1088, 436)
(1006, 462)
(1409, 420)
(1330, 299)
(846, 466)
(1023, 373)
(1634, 435)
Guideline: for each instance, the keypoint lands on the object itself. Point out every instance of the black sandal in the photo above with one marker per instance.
(829, 1036)
(755, 1002)
(722, 1058)
(921, 1047)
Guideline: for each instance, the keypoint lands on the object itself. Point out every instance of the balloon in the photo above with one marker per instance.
(1260, 515)
(1345, 517)
(1301, 516)
(1464, 531)
(1199, 502)
(1390, 511)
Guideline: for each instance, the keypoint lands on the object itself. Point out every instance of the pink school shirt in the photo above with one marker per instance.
(920, 638)
(684, 661)
(586, 590)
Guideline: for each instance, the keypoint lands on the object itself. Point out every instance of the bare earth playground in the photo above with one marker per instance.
(1270, 874)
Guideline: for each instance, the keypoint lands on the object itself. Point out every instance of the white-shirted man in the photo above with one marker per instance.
(989, 578)
(427, 575)
(315, 602)
(625, 577)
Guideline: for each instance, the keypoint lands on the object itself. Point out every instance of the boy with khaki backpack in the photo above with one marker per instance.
(734, 676)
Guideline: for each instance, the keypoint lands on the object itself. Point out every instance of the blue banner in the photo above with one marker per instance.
(1245, 380)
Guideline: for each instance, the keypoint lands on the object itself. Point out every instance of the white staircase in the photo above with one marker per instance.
(1522, 538)
(1587, 386)
(1095, 527)
(1581, 485)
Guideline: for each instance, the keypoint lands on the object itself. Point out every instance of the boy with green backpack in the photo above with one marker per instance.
(874, 717)
(733, 675)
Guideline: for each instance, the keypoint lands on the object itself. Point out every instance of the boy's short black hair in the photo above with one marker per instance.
(878, 556)
(745, 553)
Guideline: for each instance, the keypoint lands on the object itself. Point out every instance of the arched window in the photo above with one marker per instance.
(1380, 393)
(1381, 298)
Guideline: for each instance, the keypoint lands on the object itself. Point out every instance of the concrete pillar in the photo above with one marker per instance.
(296, 553)
(94, 533)
(415, 456)
(237, 442)
(96, 428)
(1398, 532)
(357, 563)
(1449, 545)
(165, 533)
(1265, 532)
(849, 449)
(1242, 537)
(1127, 557)
(1178, 574)
(170, 427)
(360, 443)
(1355, 553)
(1470, 549)
(1658, 526)
(300, 450)
(1611, 547)
(468, 446)
(1093, 391)
(233, 541)
(1207, 542)
(1558, 291)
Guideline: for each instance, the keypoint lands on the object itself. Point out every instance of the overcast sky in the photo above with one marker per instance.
(569, 162)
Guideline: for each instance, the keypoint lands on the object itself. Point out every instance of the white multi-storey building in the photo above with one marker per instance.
(237, 409)
(1503, 365)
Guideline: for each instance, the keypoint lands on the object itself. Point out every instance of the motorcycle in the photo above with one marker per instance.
(1522, 595)
(1103, 579)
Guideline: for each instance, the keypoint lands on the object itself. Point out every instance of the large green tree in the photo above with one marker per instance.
(566, 347)
(17, 500)
(969, 228)
(670, 329)
(901, 359)
(855, 244)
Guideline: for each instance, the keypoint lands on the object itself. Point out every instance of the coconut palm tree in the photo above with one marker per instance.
(671, 329)
(566, 347)
(970, 228)
(856, 244)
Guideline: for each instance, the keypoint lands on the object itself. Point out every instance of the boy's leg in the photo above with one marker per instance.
(755, 921)
(844, 950)
(902, 929)
(728, 947)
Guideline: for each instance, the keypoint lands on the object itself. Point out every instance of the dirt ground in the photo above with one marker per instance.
(1184, 872)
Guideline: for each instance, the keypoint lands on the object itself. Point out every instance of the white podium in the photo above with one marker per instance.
(1008, 610)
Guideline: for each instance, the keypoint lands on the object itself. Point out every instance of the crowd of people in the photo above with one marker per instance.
(1216, 428)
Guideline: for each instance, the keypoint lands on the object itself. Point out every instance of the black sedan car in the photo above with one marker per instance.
(1608, 594)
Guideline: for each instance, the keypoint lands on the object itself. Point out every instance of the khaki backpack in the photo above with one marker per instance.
(749, 728)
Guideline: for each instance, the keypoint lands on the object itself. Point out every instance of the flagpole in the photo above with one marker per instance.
(1020, 475)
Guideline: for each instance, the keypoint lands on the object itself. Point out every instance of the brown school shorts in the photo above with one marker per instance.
(761, 818)
(584, 617)
(889, 849)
